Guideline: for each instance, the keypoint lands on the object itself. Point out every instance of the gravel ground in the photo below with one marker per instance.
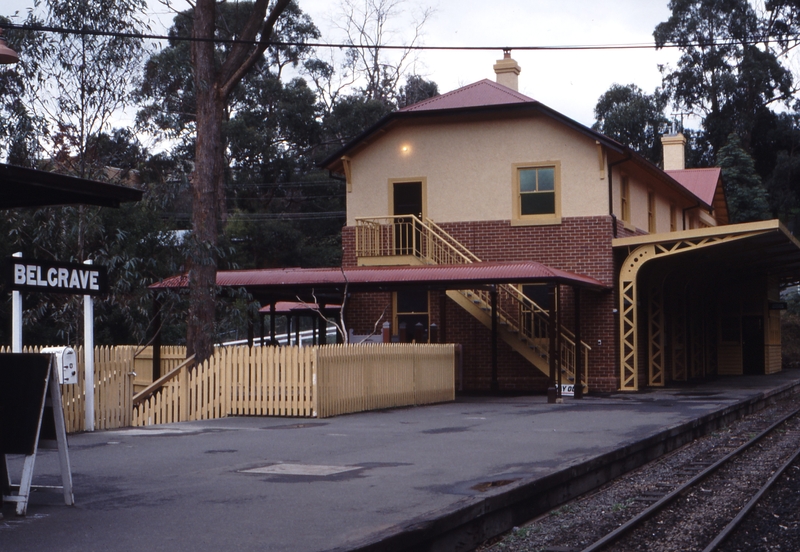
(577, 524)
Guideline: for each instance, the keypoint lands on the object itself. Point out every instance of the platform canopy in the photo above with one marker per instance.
(23, 187)
(328, 283)
(763, 247)
(665, 276)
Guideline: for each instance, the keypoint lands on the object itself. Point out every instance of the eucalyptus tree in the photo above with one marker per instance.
(131, 242)
(78, 61)
(369, 26)
(634, 118)
(78, 79)
(216, 75)
(730, 71)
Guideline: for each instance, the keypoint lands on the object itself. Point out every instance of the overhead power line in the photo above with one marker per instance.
(217, 40)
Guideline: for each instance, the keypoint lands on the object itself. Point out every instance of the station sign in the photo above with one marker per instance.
(38, 276)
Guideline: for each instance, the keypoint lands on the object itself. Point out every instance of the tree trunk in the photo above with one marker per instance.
(203, 251)
(208, 191)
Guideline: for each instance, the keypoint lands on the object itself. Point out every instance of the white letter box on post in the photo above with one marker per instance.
(66, 363)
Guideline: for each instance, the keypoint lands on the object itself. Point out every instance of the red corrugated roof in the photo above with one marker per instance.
(366, 278)
(478, 94)
(701, 182)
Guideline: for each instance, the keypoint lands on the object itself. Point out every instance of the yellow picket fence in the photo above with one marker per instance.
(320, 381)
(357, 378)
(113, 388)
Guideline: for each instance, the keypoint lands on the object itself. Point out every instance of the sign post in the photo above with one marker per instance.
(88, 354)
(16, 318)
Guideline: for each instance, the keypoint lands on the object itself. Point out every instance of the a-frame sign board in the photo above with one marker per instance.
(30, 419)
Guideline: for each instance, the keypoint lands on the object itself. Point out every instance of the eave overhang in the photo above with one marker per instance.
(24, 187)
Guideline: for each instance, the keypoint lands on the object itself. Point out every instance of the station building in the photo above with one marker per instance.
(486, 176)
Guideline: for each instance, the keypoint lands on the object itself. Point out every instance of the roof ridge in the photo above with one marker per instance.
(516, 95)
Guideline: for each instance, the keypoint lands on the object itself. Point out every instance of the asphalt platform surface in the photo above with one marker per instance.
(334, 483)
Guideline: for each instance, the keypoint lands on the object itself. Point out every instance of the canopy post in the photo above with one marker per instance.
(495, 382)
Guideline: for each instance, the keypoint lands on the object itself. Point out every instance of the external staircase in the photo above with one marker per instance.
(522, 324)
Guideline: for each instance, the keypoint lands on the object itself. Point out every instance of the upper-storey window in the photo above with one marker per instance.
(673, 217)
(537, 193)
(651, 212)
(625, 200)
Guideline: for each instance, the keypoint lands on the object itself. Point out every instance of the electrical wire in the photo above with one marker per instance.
(217, 40)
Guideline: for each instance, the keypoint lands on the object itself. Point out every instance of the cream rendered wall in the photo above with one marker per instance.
(638, 201)
(639, 188)
(468, 168)
(662, 214)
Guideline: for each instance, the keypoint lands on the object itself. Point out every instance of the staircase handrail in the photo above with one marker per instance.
(145, 393)
(456, 247)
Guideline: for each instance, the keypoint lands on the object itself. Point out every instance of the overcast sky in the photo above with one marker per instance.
(570, 82)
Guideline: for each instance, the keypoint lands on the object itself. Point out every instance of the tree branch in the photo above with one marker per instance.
(239, 62)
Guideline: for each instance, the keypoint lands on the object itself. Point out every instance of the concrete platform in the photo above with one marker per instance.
(442, 476)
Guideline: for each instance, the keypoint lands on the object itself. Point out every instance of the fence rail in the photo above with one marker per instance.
(171, 356)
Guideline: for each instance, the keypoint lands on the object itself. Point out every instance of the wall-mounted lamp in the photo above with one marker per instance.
(405, 148)
(7, 55)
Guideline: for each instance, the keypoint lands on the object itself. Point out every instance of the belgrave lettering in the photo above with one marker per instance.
(46, 276)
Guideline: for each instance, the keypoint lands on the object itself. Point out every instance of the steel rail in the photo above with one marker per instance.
(667, 499)
(735, 522)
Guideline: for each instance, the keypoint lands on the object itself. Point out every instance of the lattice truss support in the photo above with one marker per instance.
(679, 335)
(628, 320)
(655, 330)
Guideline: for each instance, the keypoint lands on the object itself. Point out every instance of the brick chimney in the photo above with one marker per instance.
(507, 71)
(674, 147)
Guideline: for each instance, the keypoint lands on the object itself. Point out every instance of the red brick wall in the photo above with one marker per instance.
(581, 245)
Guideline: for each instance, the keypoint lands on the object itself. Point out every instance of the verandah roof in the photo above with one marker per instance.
(308, 283)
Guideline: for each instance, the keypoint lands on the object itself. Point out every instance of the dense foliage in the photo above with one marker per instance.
(275, 207)
(735, 76)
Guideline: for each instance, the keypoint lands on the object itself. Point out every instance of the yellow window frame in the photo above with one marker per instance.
(517, 218)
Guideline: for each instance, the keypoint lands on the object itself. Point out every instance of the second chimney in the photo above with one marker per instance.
(674, 151)
(507, 71)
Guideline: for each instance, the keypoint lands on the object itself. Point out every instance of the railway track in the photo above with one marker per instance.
(694, 509)
(692, 499)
